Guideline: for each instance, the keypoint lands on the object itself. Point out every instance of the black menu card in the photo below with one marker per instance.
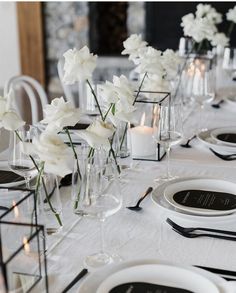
(138, 287)
(206, 199)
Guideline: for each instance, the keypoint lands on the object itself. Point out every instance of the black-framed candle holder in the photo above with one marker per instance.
(141, 131)
(22, 257)
(18, 205)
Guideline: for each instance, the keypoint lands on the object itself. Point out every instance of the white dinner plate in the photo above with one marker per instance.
(223, 130)
(206, 138)
(160, 274)
(159, 199)
(92, 282)
(199, 184)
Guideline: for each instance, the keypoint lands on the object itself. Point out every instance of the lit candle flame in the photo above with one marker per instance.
(26, 245)
(143, 119)
(202, 68)
(16, 210)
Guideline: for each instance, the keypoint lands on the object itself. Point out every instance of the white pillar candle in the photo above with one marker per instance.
(142, 142)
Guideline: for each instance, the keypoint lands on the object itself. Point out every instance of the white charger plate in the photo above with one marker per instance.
(223, 130)
(160, 274)
(200, 184)
(159, 199)
(207, 140)
(94, 280)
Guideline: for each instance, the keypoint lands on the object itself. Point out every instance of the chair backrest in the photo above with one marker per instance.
(67, 89)
(35, 92)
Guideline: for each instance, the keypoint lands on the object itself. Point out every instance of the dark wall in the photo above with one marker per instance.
(163, 21)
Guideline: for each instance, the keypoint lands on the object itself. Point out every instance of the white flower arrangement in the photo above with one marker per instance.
(133, 45)
(231, 15)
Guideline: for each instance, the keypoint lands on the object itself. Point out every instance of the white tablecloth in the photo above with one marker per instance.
(145, 234)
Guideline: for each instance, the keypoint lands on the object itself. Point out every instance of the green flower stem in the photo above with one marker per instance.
(231, 27)
(91, 152)
(96, 100)
(49, 201)
(77, 165)
(136, 97)
(112, 152)
(109, 109)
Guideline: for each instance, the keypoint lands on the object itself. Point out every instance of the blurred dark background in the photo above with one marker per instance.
(108, 26)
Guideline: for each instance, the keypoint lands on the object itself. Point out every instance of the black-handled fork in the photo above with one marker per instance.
(191, 229)
(230, 157)
(217, 105)
(195, 235)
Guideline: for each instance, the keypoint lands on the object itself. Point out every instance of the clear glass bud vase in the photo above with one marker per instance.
(50, 206)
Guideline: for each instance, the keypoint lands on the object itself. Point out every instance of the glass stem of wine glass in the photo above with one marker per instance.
(168, 161)
(27, 182)
(102, 234)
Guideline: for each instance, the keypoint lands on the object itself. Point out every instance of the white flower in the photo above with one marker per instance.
(220, 39)
(231, 14)
(150, 62)
(198, 28)
(79, 65)
(206, 10)
(97, 134)
(50, 148)
(9, 119)
(170, 61)
(60, 114)
(156, 84)
(120, 90)
(133, 45)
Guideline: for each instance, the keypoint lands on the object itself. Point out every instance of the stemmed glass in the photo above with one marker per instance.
(202, 89)
(97, 196)
(168, 131)
(229, 61)
(18, 161)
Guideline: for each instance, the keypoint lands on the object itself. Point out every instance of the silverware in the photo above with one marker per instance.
(75, 280)
(187, 144)
(229, 157)
(226, 274)
(217, 105)
(137, 207)
(191, 229)
(196, 235)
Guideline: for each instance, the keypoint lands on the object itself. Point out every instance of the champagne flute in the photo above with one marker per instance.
(168, 131)
(100, 198)
(18, 161)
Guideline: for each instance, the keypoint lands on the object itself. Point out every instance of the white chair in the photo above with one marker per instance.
(35, 92)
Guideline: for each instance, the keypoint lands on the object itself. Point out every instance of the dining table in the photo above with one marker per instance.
(145, 234)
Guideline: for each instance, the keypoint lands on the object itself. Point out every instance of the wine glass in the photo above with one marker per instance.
(99, 197)
(19, 162)
(168, 131)
(229, 61)
(203, 90)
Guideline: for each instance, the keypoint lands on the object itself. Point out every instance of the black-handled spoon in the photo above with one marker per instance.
(137, 207)
(187, 144)
(217, 105)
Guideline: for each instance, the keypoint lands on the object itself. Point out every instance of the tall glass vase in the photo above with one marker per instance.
(50, 206)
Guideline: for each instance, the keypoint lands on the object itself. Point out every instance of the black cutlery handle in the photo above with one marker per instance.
(145, 194)
(76, 279)
(219, 237)
(216, 231)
